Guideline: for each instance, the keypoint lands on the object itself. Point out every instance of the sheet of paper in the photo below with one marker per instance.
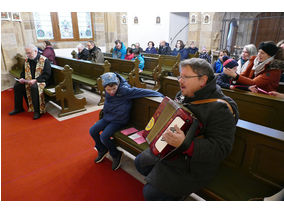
(129, 131)
(140, 140)
(134, 136)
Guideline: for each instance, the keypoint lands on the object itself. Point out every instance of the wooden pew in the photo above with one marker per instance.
(253, 169)
(85, 72)
(169, 63)
(17, 68)
(107, 54)
(152, 70)
(61, 91)
(257, 108)
(128, 69)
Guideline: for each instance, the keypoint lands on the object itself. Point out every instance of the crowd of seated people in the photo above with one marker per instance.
(262, 67)
(258, 71)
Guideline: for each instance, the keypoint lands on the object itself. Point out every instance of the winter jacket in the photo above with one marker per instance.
(116, 53)
(205, 56)
(192, 50)
(166, 50)
(183, 53)
(224, 80)
(117, 108)
(182, 175)
(84, 54)
(96, 55)
(218, 66)
(151, 51)
(267, 80)
(50, 54)
(141, 61)
(129, 57)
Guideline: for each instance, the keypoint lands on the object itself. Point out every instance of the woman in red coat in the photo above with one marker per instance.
(264, 70)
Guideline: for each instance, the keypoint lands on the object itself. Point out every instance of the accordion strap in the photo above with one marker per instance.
(204, 101)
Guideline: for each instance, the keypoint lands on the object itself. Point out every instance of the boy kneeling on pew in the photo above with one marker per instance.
(117, 106)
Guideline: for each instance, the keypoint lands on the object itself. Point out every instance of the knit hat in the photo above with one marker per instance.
(225, 58)
(109, 78)
(269, 47)
(229, 63)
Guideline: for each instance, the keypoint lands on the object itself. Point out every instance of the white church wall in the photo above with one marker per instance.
(147, 29)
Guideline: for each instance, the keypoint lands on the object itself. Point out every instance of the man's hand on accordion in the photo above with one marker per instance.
(174, 137)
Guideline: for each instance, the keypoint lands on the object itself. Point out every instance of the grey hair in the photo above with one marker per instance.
(251, 49)
(32, 47)
(199, 66)
(81, 46)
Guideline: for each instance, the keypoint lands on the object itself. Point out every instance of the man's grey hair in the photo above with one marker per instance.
(199, 66)
(252, 51)
(32, 47)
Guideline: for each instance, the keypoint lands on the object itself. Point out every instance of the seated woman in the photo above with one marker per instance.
(248, 52)
(151, 48)
(129, 54)
(49, 52)
(264, 70)
(179, 49)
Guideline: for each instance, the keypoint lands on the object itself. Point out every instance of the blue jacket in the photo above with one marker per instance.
(218, 66)
(224, 80)
(117, 108)
(183, 53)
(116, 53)
(142, 61)
(192, 50)
(151, 51)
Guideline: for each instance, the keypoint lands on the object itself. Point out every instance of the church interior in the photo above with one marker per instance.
(51, 157)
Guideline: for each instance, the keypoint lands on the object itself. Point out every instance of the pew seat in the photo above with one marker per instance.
(253, 169)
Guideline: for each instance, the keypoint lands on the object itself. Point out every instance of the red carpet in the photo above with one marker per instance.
(49, 160)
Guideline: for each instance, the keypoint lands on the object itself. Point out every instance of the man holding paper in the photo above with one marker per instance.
(194, 165)
(34, 78)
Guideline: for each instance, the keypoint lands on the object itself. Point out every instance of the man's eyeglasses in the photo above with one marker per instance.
(185, 77)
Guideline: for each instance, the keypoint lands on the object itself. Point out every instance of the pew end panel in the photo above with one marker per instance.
(61, 91)
(17, 68)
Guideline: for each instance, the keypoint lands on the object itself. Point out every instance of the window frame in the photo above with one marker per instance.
(56, 30)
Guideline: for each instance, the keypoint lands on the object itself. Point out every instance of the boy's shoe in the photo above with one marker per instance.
(116, 161)
(101, 156)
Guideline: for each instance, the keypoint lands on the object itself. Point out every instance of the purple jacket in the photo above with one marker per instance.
(50, 54)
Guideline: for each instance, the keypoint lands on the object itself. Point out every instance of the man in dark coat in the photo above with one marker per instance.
(95, 53)
(164, 48)
(193, 168)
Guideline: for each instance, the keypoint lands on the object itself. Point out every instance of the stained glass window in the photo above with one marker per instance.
(65, 25)
(85, 25)
(43, 25)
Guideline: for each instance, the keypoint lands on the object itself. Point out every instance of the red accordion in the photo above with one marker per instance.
(168, 114)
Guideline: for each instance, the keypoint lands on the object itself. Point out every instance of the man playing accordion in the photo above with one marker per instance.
(192, 169)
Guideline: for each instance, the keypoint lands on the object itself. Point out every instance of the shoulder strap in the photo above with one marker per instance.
(204, 101)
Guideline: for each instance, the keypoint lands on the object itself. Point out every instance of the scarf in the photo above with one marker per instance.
(258, 67)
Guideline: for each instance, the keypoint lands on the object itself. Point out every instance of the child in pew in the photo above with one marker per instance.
(129, 54)
(138, 55)
(224, 80)
(116, 114)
